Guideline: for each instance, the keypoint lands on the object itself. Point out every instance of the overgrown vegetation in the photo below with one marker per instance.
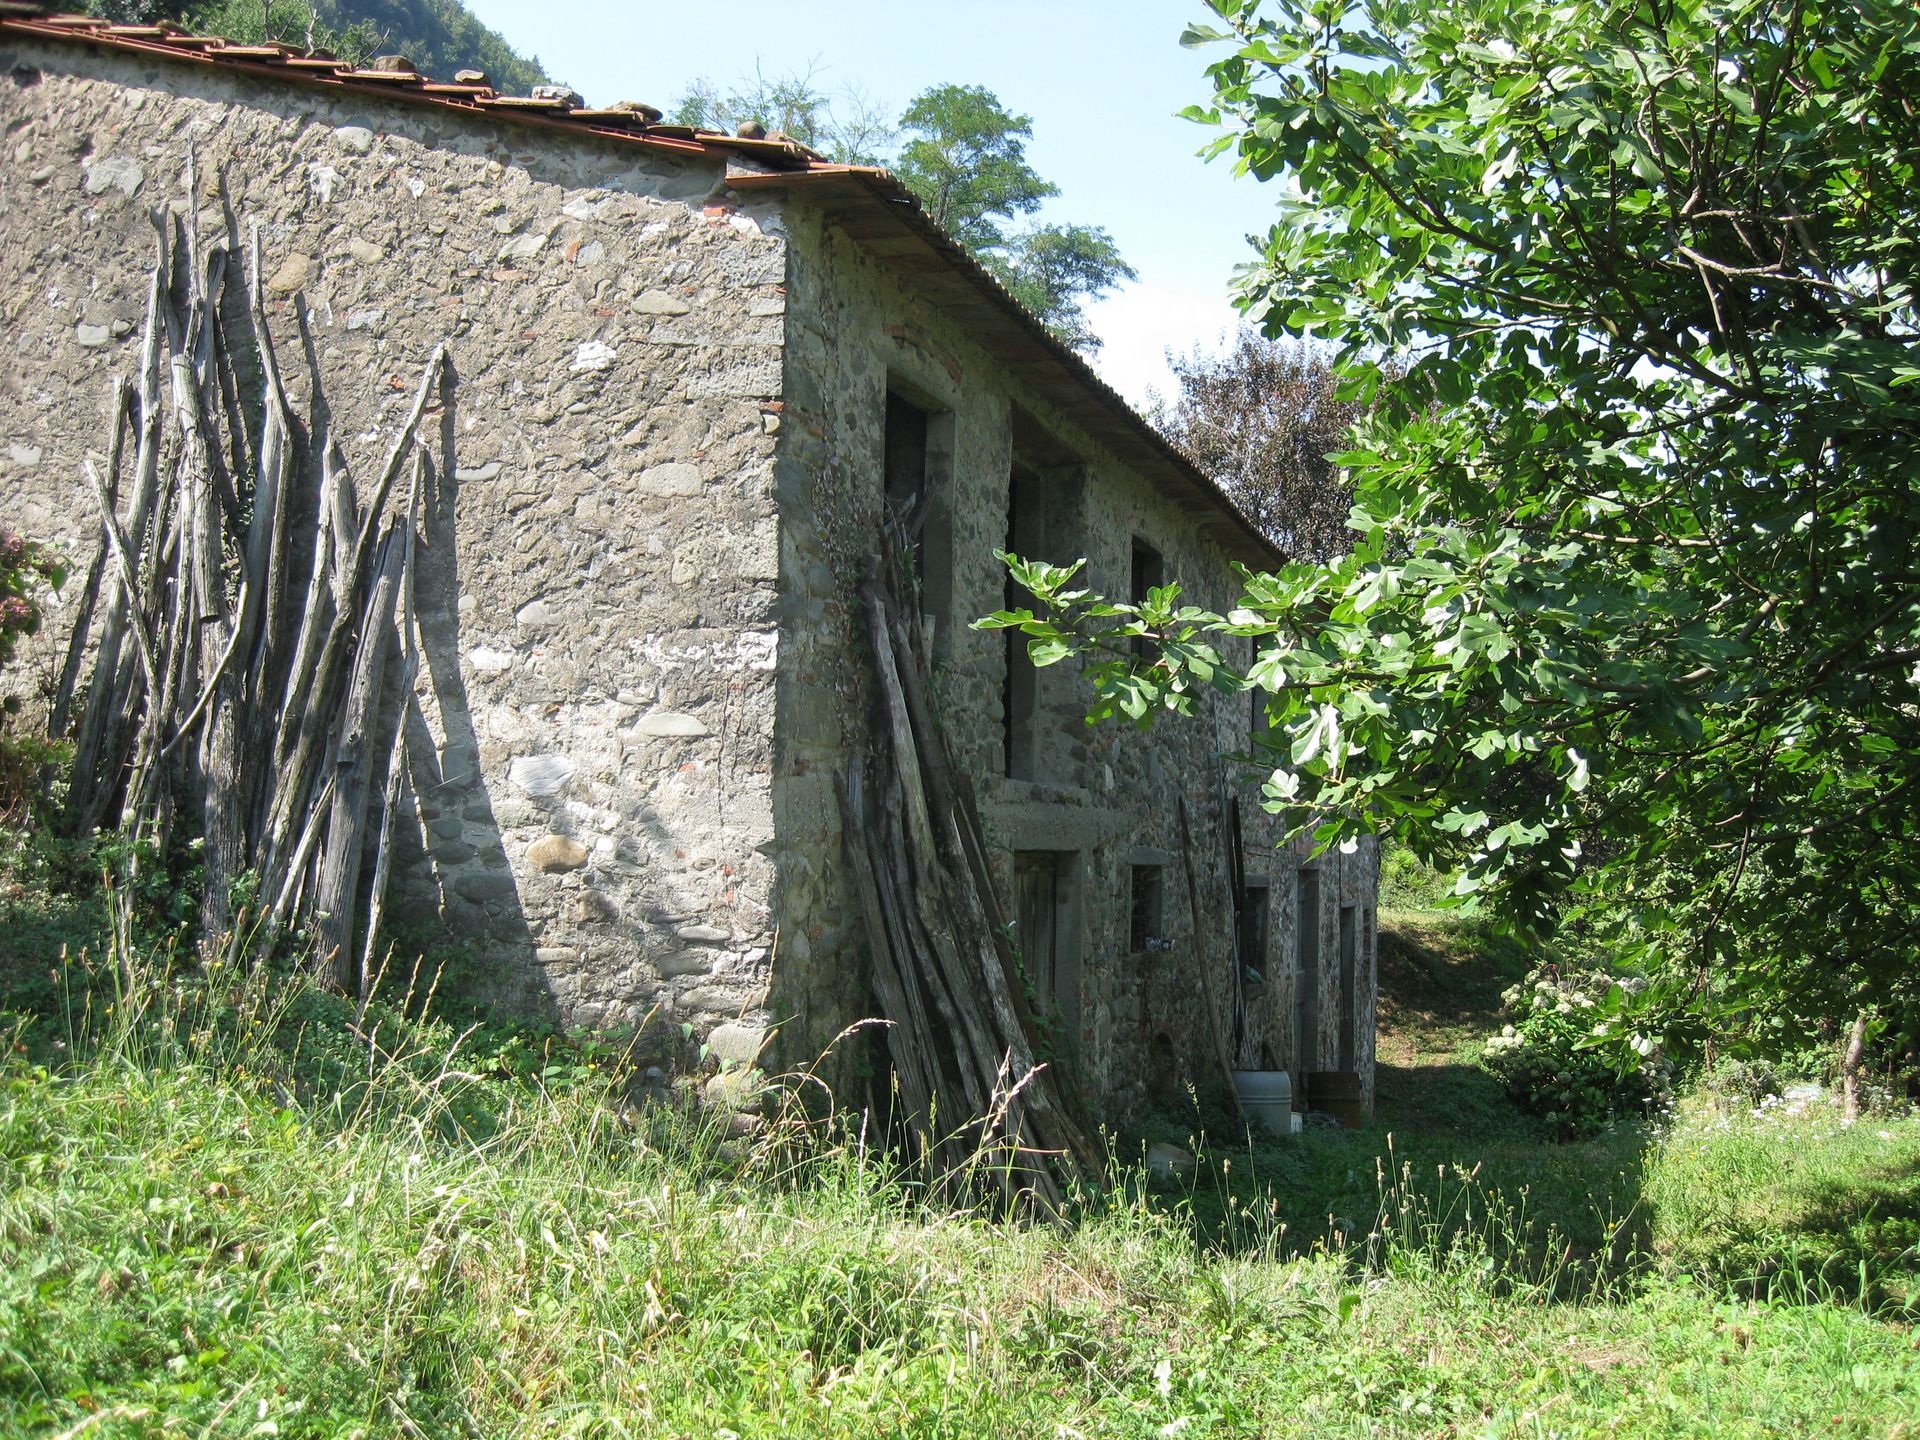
(1629, 631)
(233, 1204)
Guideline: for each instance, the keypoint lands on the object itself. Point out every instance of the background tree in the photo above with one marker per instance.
(1261, 418)
(847, 127)
(964, 155)
(1639, 524)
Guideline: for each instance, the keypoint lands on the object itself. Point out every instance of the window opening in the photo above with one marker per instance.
(1045, 884)
(1253, 934)
(1146, 910)
(1148, 572)
(1306, 998)
(916, 455)
(1026, 537)
(1349, 958)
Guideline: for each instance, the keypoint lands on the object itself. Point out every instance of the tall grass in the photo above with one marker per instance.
(233, 1205)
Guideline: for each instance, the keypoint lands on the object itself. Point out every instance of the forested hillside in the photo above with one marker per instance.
(439, 36)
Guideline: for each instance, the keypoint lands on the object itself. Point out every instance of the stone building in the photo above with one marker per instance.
(693, 370)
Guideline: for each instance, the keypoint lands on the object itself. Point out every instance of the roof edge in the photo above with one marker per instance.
(885, 189)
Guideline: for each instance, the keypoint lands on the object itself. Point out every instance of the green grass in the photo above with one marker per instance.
(222, 1213)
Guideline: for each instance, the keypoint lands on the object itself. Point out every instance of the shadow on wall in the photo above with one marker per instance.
(456, 901)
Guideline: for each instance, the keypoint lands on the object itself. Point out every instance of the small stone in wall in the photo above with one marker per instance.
(658, 302)
(291, 274)
(593, 907)
(365, 251)
(523, 247)
(24, 454)
(92, 337)
(678, 478)
(540, 775)
(357, 138)
(489, 662)
(670, 723)
(686, 962)
(594, 355)
(113, 172)
(703, 934)
(556, 854)
(488, 471)
(737, 1044)
(538, 612)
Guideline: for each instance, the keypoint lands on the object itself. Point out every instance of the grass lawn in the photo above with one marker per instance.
(200, 1237)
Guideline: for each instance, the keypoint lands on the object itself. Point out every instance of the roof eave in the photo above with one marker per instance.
(883, 216)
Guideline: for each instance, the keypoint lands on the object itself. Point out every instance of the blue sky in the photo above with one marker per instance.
(1100, 78)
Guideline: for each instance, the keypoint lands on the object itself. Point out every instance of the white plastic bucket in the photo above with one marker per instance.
(1266, 1098)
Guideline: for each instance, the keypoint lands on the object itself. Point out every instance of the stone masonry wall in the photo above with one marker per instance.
(598, 599)
(1105, 796)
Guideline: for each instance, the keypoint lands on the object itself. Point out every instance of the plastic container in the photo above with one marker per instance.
(1266, 1098)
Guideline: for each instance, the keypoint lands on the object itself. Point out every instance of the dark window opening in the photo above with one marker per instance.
(1045, 882)
(1147, 572)
(915, 456)
(1349, 960)
(906, 460)
(1145, 910)
(1026, 537)
(1253, 934)
(1306, 967)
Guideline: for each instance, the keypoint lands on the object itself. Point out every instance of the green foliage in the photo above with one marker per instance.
(191, 1247)
(1053, 269)
(1631, 622)
(965, 157)
(27, 572)
(439, 36)
(1777, 1196)
(1408, 883)
(288, 22)
(1547, 1060)
(231, 1204)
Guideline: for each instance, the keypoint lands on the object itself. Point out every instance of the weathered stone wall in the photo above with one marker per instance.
(598, 601)
(1106, 796)
(644, 661)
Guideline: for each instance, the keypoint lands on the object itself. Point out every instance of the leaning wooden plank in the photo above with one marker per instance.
(121, 412)
(1201, 963)
(903, 1044)
(286, 789)
(396, 776)
(346, 824)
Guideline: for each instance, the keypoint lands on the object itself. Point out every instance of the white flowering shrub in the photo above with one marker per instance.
(1547, 1061)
